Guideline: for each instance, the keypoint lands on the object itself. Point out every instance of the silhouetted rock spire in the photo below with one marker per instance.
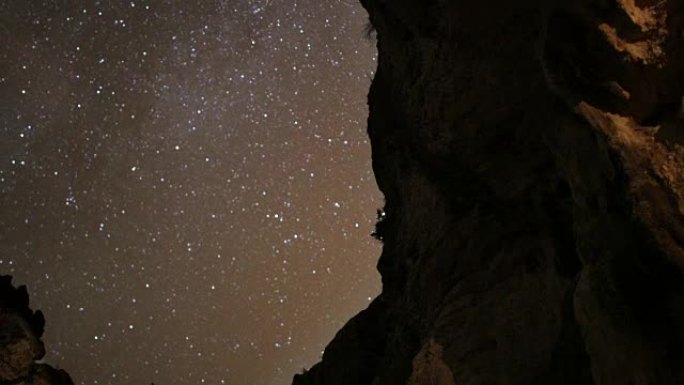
(21, 330)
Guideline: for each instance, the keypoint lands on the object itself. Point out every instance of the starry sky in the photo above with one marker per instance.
(186, 187)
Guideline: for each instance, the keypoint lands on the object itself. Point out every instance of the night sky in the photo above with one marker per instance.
(185, 187)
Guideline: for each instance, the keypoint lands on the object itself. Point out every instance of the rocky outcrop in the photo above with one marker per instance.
(531, 154)
(20, 344)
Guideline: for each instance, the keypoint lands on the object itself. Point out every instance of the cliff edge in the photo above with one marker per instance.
(531, 154)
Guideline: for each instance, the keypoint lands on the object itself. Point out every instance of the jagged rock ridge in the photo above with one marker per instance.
(531, 154)
(20, 343)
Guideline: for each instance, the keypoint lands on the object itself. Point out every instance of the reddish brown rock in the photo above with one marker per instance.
(531, 154)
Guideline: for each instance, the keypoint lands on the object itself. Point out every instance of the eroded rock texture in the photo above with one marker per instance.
(531, 154)
(20, 344)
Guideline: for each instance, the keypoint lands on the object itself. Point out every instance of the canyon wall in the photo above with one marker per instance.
(531, 154)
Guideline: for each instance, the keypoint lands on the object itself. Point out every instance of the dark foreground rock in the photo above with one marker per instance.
(20, 343)
(531, 154)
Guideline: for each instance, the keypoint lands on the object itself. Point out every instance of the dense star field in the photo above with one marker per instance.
(186, 187)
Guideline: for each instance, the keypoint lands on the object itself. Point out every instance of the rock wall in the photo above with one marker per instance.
(20, 343)
(531, 154)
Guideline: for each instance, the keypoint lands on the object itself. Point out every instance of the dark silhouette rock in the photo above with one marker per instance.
(531, 154)
(20, 343)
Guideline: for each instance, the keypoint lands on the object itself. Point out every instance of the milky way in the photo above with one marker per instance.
(186, 186)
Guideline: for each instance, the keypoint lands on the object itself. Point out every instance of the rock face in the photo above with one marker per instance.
(531, 154)
(20, 344)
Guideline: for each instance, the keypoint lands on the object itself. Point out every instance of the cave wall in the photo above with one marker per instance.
(531, 155)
